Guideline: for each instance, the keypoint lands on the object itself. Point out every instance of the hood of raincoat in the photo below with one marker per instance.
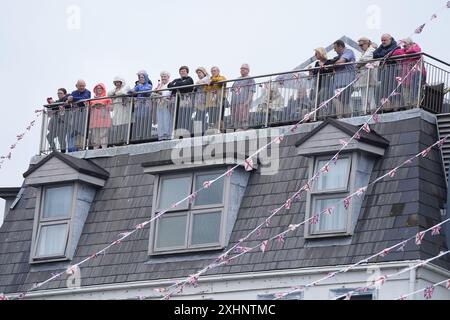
(121, 79)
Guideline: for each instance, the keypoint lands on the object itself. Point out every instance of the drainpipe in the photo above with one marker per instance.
(412, 282)
(446, 226)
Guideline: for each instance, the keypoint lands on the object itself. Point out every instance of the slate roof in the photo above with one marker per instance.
(371, 137)
(392, 210)
(9, 192)
(81, 165)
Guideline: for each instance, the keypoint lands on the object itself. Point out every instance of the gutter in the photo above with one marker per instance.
(223, 278)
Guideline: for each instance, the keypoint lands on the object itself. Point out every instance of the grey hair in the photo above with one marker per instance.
(164, 73)
(408, 41)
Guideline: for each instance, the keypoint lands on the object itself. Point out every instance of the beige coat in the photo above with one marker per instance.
(363, 71)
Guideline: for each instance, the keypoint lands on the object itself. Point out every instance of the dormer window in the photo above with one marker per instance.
(331, 188)
(192, 224)
(350, 172)
(54, 221)
(66, 187)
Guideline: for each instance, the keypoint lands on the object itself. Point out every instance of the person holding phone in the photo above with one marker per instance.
(57, 126)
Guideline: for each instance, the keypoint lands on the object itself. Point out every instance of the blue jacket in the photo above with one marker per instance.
(147, 86)
(381, 51)
(77, 95)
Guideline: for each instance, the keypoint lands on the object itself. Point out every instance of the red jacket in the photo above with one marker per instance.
(100, 116)
(409, 62)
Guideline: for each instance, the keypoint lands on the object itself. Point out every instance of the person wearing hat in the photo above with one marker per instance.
(200, 98)
(142, 126)
(120, 111)
(367, 77)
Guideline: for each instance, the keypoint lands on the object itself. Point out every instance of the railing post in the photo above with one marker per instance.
(316, 100)
(420, 66)
(130, 118)
(266, 124)
(366, 100)
(44, 116)
(175, 111)
(221, 108)
(86, 127)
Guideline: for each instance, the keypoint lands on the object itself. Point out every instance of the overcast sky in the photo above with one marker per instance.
(49, 44)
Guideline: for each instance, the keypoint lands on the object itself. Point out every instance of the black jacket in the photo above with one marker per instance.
(180, 82)
(381, 51)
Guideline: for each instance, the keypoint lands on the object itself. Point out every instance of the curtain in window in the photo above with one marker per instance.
(212, 195)
(336, 178)
(52, 240)
(337, 221)
(206, 228)
(171, 231)
(173, 190)
(58, 202)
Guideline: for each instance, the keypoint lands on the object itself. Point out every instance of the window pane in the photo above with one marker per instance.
(57, 202)
(171, 231)
(212, 195)
(206, 228)
(336, 178)
(337, 221)
(173, 190)
(52, 240)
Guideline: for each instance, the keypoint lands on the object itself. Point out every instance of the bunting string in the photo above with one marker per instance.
(366, 128)
(20, 137)
(206, 185)
(228, 173)
(427, 291)
(382, 279)
(435, 230)
(313, 220)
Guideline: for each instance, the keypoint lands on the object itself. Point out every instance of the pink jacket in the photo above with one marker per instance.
(408, 63)
(100, 116)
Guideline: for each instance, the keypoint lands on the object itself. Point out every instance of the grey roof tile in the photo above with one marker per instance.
(392, 211)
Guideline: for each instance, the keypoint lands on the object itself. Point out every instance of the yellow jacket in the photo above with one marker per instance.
(216, 87)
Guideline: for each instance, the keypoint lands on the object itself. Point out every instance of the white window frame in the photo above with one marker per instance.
(190, 212)
(49, 224)
(179, 208)
(40, 222)
(314, 195)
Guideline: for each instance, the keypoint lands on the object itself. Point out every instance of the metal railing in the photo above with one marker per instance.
(256, 102)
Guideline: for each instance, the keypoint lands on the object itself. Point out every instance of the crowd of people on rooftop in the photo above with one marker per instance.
(125, 114)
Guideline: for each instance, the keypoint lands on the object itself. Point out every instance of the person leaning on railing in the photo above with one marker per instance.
(411, 83)
(164, 107)
(184, 107)
(242, 93)
(345, 74)
(200, 97)
(323, 70)
(387, 72)
(367, 78)
(78, 113)
(120, 111)
(99, 118)
(214, 98)
(57, 126)
(142, 114)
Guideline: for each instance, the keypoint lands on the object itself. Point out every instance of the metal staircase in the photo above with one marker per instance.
(444, 130)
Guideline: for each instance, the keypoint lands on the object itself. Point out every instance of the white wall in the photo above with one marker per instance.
(249, 286)
(2, 211)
